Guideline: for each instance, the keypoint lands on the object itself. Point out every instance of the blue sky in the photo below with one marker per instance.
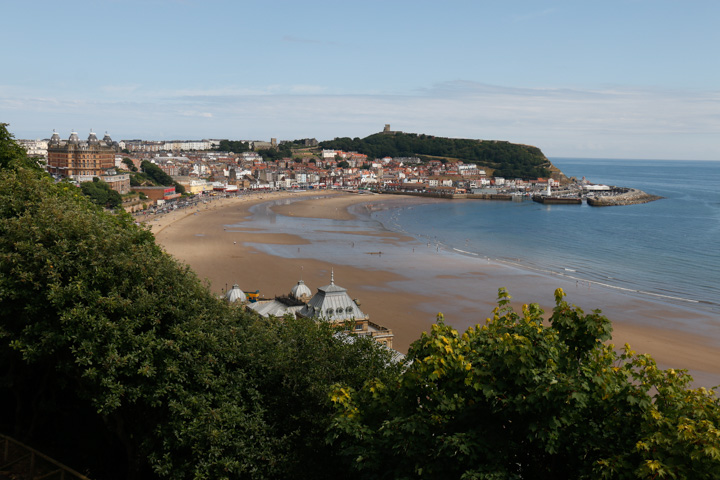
(619, 79)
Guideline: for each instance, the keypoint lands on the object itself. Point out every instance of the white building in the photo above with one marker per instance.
(35, 148)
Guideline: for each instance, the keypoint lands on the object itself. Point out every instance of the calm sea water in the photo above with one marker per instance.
(668, 249)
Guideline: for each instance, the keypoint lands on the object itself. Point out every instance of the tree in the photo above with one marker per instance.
(156, 174)
(129, 164)
(295, 363)
(236, 146)
(517, 399)
(135, 181)
(99, 327)
(101, 194)
(12, 155)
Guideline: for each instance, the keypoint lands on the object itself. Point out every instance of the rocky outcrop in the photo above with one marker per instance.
(624, 196)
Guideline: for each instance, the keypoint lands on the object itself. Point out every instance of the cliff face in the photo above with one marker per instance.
(630, 197)
(557, 174)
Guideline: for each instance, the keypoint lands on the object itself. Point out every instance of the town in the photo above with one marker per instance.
(201, 169)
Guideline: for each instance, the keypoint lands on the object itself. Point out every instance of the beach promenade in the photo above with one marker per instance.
(410, 282)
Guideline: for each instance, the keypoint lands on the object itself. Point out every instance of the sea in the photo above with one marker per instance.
(667, 250)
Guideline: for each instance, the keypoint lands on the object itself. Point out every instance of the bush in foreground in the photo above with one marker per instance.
(517, 399)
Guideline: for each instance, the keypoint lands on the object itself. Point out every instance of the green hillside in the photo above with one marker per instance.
(505, 159)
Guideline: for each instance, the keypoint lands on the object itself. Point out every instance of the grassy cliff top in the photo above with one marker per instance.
(502, 158)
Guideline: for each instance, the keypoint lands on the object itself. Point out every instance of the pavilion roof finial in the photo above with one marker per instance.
(332, 276)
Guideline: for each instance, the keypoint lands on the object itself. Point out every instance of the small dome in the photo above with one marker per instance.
(235, 295)
(55, 139)
(107, 138)
(92, 138)
(300, 290)
(73, 138)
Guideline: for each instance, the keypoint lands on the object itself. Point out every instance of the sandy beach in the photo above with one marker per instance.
(400, 282)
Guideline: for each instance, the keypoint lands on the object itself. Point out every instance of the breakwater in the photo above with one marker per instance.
(617, 196)
(622, 196)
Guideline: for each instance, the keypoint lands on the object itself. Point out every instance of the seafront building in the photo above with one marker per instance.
(331, 303)
(81, 160)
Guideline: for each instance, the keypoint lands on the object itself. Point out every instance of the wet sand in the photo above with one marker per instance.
(403, 283)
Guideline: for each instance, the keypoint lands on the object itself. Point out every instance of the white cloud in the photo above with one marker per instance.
(610, 122)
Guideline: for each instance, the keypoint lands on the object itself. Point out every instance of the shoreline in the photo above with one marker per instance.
(394, 290)
(158, 222)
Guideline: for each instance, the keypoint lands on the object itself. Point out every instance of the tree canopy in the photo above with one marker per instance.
(156, 174)
(515, 398)
(101, 194)
(284, 150)
(235, 146)
(129, 164)
(12, 154)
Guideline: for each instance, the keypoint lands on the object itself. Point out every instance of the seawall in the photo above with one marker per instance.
(451, 196)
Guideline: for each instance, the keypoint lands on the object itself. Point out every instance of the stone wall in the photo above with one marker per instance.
(630, 196)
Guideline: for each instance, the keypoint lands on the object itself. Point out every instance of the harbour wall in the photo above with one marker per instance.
(630, 196)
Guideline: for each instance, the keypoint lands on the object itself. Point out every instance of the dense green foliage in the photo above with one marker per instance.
(507, 159)
(129, 164)
(101, 194)
(283, 150)
(155, 175)
(12, 155)
(515, 399)
(116, 359)
(235, 146)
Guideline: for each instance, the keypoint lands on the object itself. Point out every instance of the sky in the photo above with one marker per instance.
(580, 78)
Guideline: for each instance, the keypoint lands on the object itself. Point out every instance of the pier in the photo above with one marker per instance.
(550, 200)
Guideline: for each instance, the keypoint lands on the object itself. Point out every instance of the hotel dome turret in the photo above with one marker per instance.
(55, 139)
